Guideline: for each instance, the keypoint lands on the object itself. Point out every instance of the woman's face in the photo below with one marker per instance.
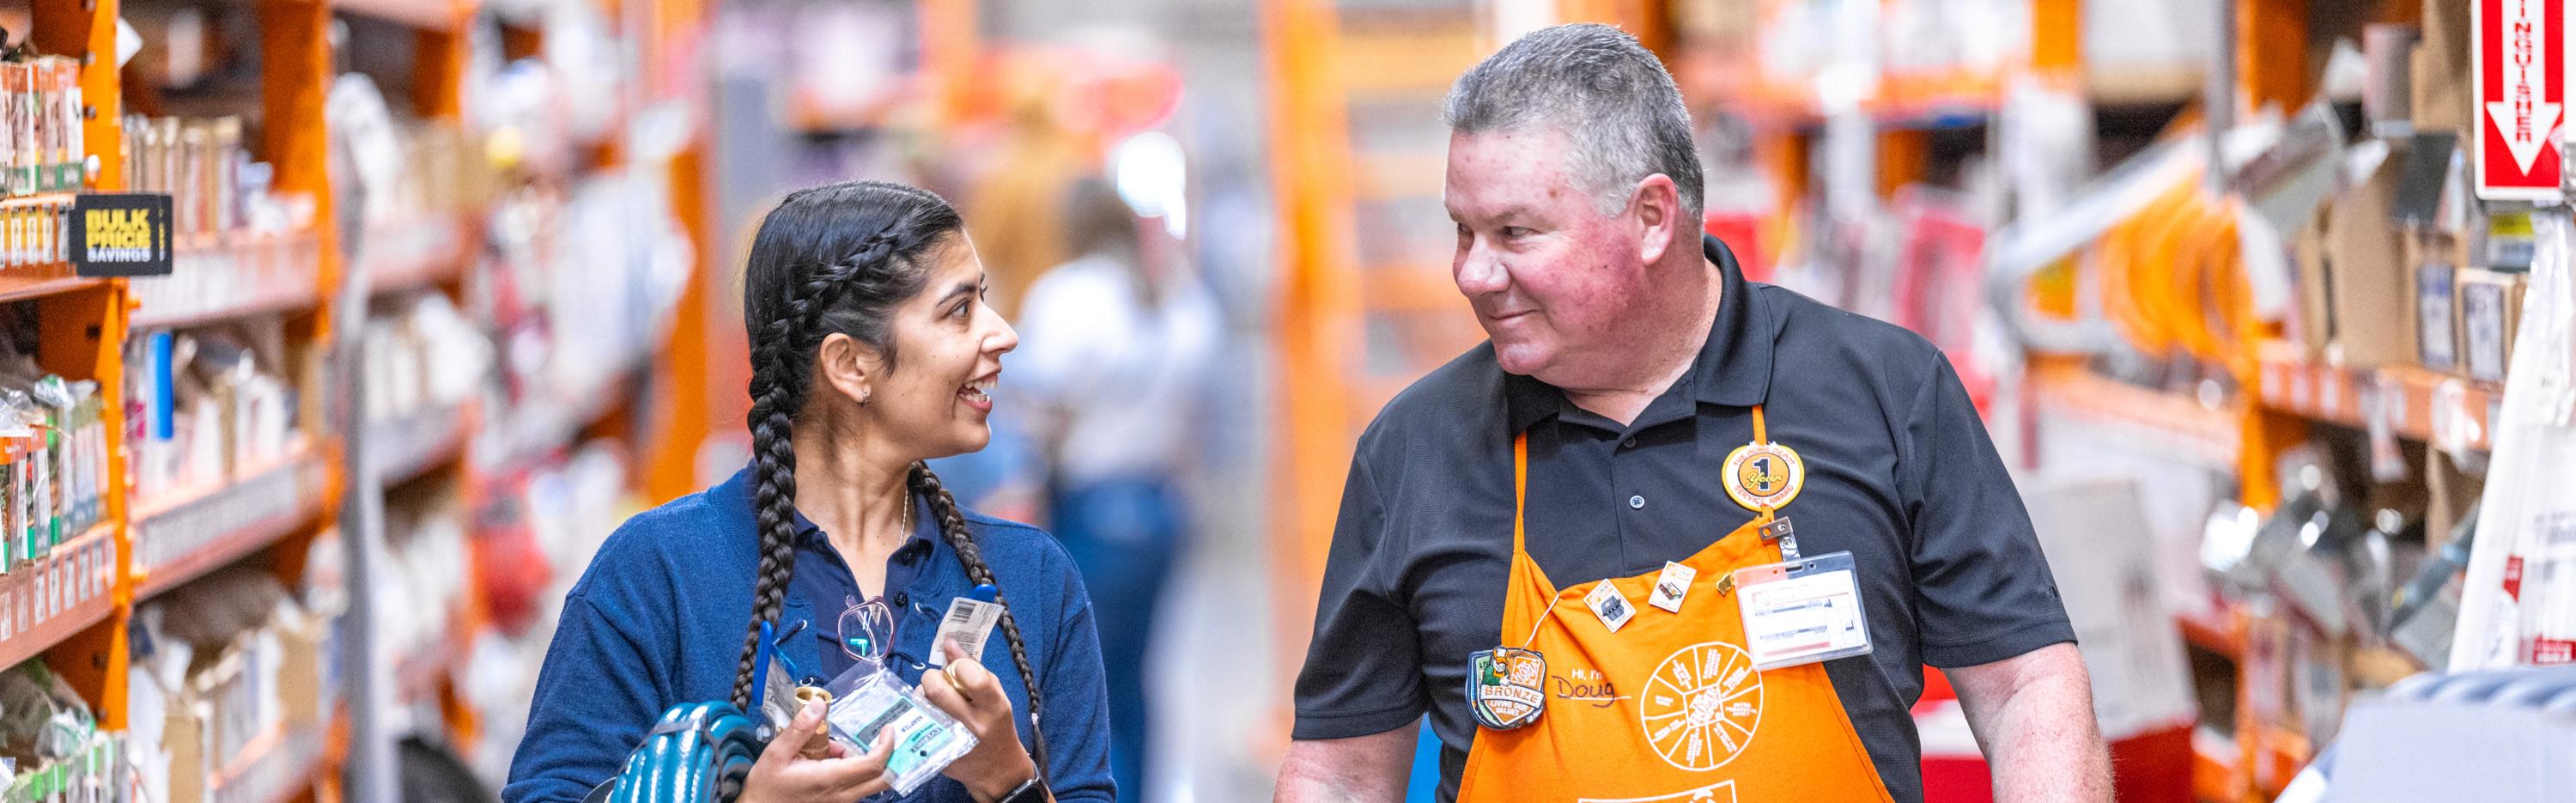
(948, 346)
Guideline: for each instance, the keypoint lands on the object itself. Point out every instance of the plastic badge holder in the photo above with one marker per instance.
(926, 739)
(1802, 611)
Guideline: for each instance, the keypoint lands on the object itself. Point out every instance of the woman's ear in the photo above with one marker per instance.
(847, 366)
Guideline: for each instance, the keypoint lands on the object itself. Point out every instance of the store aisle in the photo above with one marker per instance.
(1220, 689)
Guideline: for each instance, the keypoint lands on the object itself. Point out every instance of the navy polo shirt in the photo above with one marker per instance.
(827, 586)
(1900, 473)
(657, 620)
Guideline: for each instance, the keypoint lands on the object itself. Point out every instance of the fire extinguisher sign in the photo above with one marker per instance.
(2522, 97)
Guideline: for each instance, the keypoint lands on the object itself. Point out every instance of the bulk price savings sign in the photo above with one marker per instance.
(2522, 97)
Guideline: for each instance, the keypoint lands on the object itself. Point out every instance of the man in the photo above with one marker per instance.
(1812, 484)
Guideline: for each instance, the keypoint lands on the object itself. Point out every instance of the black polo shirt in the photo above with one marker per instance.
(1900, 473)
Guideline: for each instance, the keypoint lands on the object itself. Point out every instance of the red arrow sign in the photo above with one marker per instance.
(2522, 97)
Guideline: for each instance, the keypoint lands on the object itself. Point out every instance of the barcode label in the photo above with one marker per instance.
(968, 623)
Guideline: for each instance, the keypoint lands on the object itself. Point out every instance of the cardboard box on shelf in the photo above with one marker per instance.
(2490, 309)
(2452, 492)
(186, 733)
(303, 641)
(2366, 275)
(2433, 269)
(2315, 324)
(2443, 94)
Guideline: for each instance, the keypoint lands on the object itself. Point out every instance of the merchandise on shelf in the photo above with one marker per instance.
(53, 458)
(401, 172)
(227, 672)
(426, 356)
(45, 148)
(217, 190)
(208, 406)
(428, 564)
(531, 541)
(50, 746)
(32, 231)
(579, 291)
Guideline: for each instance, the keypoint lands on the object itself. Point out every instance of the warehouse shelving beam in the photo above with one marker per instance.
(87, 28)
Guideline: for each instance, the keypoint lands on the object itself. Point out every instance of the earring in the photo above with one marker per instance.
(864, 396)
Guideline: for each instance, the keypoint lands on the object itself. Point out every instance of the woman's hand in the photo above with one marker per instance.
(969, 692)
(784, 775)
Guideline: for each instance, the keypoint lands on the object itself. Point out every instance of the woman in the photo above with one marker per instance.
(1122, 341)
(872, 350)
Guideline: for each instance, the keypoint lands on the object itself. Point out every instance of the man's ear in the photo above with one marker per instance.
(1657, 203)
(847, 366)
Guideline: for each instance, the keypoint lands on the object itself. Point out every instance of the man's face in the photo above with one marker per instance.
(1555, 283)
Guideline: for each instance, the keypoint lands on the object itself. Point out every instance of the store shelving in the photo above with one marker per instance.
(2216, 631)
(2213, 765)
(417, 676)
(71, 609)
(183, 539)
(2436, 408)
(410, 445)
(536, 432)
(277, 767)
(230, 277)
(46, 601)
(2204, 430)
(26, 283)
(432, 251)
(425, 14)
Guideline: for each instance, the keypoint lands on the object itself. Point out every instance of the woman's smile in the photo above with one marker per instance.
(978, 393)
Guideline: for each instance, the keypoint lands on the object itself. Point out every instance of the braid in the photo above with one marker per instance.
(774, 394)
(952, 527)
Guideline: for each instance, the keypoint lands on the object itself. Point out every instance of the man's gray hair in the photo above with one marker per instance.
(1606, 93)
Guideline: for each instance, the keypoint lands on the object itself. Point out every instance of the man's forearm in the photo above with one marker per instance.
(1365, 768)
(2033, 715)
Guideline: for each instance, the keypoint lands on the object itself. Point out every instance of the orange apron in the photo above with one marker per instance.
(1669, 708)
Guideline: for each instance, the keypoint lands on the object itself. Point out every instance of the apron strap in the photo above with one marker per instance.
(1761, 434)
(1520, 482)
(1520, 493)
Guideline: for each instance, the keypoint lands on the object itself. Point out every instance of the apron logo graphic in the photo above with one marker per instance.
(1764, 475)
(1702, 706)
(1506, 687)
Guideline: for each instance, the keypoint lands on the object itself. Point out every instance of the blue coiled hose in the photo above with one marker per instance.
(698, 753)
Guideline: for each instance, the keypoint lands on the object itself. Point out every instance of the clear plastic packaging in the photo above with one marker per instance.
(926, 739)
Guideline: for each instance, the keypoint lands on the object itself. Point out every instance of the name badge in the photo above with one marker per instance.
(1802, 611)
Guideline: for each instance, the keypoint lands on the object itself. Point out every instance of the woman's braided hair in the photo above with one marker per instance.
(838, 258)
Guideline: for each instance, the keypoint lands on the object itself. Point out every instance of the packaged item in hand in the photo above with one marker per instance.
(926, 739)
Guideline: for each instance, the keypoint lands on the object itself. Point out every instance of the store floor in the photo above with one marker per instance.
(1220, 691)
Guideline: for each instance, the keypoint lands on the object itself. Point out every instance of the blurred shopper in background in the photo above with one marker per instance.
(1118, 344)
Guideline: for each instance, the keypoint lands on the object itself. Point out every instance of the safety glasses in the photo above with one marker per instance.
(866, 630)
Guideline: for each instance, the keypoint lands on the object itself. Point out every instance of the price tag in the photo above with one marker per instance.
(2383, 408)
(1802, 611)
(968, 623)
(2454, 426)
